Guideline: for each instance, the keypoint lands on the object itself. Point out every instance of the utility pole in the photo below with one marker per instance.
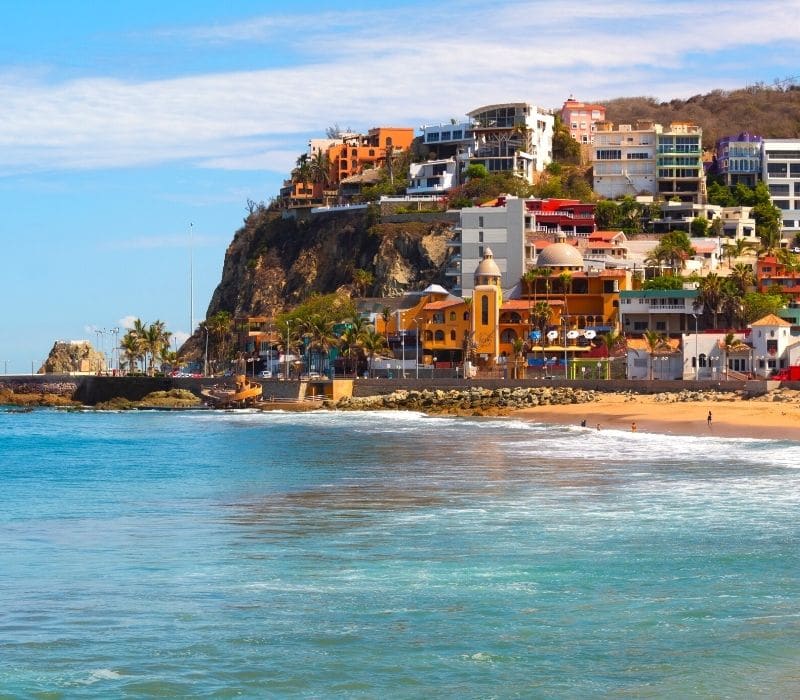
(191, 279)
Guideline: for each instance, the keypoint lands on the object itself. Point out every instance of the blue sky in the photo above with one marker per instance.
(124, 126)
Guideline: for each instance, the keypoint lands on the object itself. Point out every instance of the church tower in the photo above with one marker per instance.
(487, 298)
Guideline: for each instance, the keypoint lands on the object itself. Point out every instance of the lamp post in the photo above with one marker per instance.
(599, 365)
(286, 352)
(115, 333)
(696, 366)
(564, 319)
(5, 362)
(416, 350)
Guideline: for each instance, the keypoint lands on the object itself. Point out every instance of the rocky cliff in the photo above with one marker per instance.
(73, 356)
(275, 262)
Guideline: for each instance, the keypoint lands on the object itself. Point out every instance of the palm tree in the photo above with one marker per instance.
(319, 331)
(362, 279)
(155, 339)
(302, 173)
(742, 276)
(219, 326)
(730, 343)
(655, 342)
(131, 347)
(736, 249)
(373, 342)
(386, 314)
(711, 294)
(566, 287)
(320, 169)
(350, 344)
(610, 341)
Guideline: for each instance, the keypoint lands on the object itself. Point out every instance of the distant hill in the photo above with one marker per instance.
(771, 112)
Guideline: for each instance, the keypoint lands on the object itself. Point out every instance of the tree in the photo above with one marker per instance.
(710, 296)
(610, 341)
(318, 330)
(655, 342)
(756, 305)
(219, 328)
(743, 277)
(736, 249)
(673, 247)
(565, 148)
(729, 345)
(663, 282)
(518, 348)
(373, 342)
(699, 227)
(320, 169)
(131, 348)
(476, 171)
(362, 279)
(606, 215)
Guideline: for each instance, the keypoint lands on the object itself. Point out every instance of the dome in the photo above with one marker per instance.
(560, 255)
(487, 267)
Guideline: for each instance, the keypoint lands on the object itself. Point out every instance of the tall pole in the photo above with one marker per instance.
(286, 352)
(191, 279)
(205, 359)
(565, 347)
(5, 362)
(416, 351)
(696, 367)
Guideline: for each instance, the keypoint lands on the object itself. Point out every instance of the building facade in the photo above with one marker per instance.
(624, 159)
(679, 163)
(581, 118)
(780, 170)
(737, 159)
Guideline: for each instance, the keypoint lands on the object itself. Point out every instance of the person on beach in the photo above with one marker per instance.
(633, 427)
(598, 426)
(708, 420)
(583, 423)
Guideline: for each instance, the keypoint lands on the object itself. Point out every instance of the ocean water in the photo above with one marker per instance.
(373, 555)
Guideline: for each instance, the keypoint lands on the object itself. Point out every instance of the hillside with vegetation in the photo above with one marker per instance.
(769, 111)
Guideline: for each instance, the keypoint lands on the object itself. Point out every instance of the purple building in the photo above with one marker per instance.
(738, 159)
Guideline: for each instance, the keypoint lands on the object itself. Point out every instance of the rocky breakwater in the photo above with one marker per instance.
(38, 393)
(474, 401)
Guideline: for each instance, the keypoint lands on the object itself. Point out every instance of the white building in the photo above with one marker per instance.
(667, 311)
(781, 173)
(500, 228)
(432, 177)
(624, 159)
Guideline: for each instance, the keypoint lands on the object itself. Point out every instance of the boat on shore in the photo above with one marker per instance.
(244, 393)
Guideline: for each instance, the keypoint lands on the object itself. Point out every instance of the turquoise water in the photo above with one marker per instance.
(391, 555)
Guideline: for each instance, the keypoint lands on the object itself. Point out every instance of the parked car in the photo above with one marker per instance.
(265, 374)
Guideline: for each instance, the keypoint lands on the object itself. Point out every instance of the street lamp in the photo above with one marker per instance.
(286, 351)
(416, 350)
(696, 365)
(564, 319)
(599, 366)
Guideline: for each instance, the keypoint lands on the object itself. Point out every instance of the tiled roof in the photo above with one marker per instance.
(771, 320)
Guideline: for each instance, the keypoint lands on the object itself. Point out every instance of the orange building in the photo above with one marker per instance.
(357, 152)
(771, 273)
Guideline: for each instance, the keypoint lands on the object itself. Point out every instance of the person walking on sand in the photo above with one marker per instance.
(633, 427)
(708, 420)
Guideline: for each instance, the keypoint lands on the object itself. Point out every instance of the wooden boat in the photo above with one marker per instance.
(244, 393)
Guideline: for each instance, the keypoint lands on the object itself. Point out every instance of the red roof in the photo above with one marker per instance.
(604, 235)
(435, 305)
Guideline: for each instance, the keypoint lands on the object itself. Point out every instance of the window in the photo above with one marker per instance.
(781, 203)
(438, 318)
(458, 134)
(430, 138)
(452, 335)
(438, 336)
(480, 221)
(480, 237)
(779, 189)
(452, 315)
(661, 325)
(372, 151)
(702, 360)
(640, 325)
(638, 156)
(609, 154)
(445, 136)
(794, 169)
(797, 189)
(508, 336)
(485, 310)
(776, 169)
(466, 315)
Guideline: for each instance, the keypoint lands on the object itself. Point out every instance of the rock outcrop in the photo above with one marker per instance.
(68, 356)
(274, 263)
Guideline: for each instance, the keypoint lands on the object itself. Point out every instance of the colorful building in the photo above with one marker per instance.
(737, 159)
(581, 118)
(772, 274)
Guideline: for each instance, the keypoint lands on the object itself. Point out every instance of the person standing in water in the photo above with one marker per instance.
(708, 420)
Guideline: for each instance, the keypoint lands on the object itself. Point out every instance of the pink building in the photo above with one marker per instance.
(581, 118)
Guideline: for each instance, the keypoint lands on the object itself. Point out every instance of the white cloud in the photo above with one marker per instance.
(127, 322)
(406, 73)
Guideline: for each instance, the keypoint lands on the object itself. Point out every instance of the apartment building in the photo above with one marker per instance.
(780, 170)
(432, 177)
(355, 152)
(679, 163)
(737, 159)
(624, 159)
(581, 118)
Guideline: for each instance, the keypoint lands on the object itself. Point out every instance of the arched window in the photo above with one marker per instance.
(485, 310)
(466, 315)
(439, 335)
(702, 359)
(428, 335)
(452, 335)
(508, 336)
(452, 315)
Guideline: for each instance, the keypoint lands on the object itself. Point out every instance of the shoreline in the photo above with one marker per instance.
(735, 417)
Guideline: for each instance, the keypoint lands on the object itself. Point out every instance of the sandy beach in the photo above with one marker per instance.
(736, 417)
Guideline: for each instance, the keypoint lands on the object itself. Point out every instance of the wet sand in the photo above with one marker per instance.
(752, 418)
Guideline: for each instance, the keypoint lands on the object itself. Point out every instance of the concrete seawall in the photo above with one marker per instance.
(90, 389)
